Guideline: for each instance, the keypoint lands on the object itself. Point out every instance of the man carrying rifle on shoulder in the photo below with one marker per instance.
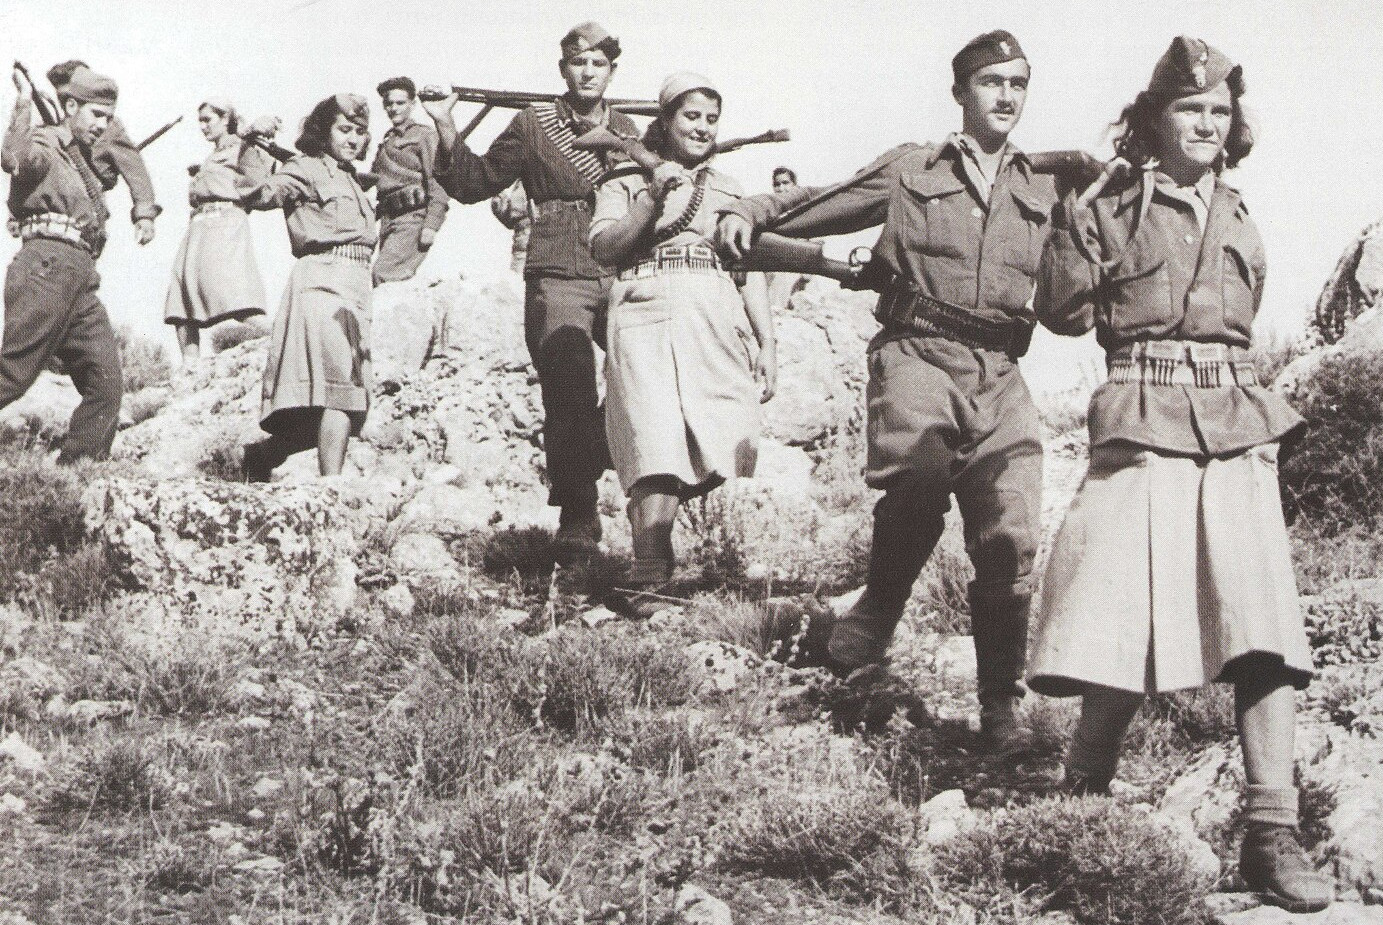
(964, 222)
(51, 305)
(412, 205)
(567, 291)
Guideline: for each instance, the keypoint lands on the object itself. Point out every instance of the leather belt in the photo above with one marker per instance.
(686, 258)
(552, 206)
(215, 207)
(403, 200)
(917, 311)
(1179, 362)
(55, 226)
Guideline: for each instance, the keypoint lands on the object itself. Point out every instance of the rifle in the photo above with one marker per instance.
(603, 140)
(281, 154)
(518, 99)
(157, 134)
(47, 109)
(771, 252)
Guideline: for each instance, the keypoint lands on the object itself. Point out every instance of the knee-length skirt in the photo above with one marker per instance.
(215, 275)
(681, 398)
(1170, 572)
(319, 351)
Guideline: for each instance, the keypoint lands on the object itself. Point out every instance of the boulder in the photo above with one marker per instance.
(945, 816)
(1341, 913)
(44, 409)
(694, 906)
(421, 556)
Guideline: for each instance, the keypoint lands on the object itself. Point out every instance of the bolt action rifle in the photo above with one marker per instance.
(157, 134)
(518, 99)
(47, 109)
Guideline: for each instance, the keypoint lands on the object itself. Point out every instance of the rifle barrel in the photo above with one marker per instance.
(157, 134)
(522, 99)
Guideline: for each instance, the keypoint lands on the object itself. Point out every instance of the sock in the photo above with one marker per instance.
(1271, 806)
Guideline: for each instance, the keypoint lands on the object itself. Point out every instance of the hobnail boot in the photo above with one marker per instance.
(1273, 864)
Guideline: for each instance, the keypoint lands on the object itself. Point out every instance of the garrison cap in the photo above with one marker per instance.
(586, 36)
(683, 82)
(983, 50)
(354, 108)
(87, 86)
(1190, 66)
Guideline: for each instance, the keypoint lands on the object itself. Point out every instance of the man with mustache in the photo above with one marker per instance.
(964, 222)
(567, 290)
(51, 306)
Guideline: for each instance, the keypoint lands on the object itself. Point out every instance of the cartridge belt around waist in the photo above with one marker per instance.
(356, 253)
(552, 206)
(215, 207)
(683, 258)
(401, 201)
(55, 226)
(1180, 362)
(916, 311)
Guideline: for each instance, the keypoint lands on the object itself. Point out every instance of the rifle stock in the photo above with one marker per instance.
(776, 253)
(48, 110)
(1075, 167)
(603, 140)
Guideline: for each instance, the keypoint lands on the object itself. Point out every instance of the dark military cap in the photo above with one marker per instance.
(1190, 66)
(983, 50)
(87, 86)
(586, 36)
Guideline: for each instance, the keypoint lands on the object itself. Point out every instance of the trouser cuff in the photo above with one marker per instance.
(1271, 806)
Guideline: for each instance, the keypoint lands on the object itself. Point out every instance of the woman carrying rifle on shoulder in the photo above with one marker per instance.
(689, 357)
(215, 276)
(1173, 568)
(317, 380)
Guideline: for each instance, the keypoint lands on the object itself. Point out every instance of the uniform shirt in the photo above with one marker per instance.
(115, 156)
(616, 195)
(405, 157)
(941, 235)
(557, 245)
(1169, 282)
(43, 163)
(233, 164)
(322, 203)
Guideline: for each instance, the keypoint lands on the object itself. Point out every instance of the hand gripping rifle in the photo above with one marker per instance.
(157, 134)
(518, 99)
(281, 154)
(771, 252)
(47, 109)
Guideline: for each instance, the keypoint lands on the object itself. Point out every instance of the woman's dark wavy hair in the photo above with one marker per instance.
(314, 139)
(655, 138)
(1133, 132)
(232, 118)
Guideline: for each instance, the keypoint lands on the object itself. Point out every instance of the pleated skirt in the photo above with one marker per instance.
(681, 398)
(1168, 571)
(215, 275)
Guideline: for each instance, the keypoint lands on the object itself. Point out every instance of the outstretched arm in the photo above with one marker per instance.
(465, 175)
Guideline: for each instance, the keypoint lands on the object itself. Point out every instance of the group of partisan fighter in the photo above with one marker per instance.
(1172, 568)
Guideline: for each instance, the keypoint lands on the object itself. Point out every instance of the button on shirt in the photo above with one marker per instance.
(45, 164)
(945, 234)
(322, 203)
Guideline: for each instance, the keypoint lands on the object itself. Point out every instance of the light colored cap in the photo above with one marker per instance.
(682, 82)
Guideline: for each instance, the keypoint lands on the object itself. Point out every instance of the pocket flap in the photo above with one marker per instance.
(1034, 206)
(930, 185)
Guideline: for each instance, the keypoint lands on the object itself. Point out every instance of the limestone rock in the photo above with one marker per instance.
(694, 906)
(44, 409)
(422, 556)
(448, 511)
(1341, 913)
(721, 664)
(22, 755)
(945, 816)
(31, 678)
(405, 324)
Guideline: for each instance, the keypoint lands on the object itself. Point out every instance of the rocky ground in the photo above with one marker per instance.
(374, 698)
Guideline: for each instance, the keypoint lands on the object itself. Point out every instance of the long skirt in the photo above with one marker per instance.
(1167, 572)
(681, 397)
(319, 352)
(215, 276)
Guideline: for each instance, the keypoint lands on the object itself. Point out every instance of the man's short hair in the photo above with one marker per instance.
(792, 174)
(397, 83)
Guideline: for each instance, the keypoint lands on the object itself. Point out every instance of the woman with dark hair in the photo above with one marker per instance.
(685, 348)
(317, 380)
(215, 276)
(1173, 569)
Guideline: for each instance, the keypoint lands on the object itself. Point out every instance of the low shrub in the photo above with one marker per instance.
(1344, 631)
(142, 361)
(114, 775)
(1100, 861)
(233, 333)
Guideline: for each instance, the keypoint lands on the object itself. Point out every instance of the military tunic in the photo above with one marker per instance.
(1173, 562)
(404, 165)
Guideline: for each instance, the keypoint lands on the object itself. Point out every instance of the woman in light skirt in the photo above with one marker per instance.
(1172, 569)
(317, 380)
(215, 275)
(689, 358)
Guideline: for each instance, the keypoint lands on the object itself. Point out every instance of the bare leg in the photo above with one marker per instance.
(190, 342)
(332, 436)
(652, 511)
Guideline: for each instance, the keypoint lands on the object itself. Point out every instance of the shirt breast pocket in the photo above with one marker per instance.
(1241, 278)
(938, 213)
(1139, 292)
(1023, 250)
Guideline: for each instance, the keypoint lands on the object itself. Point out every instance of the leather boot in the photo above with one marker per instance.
(1078, 783)
(999, 627)
(907, 524)
(1273, 864)
(1001, 735)
(638, 596)
(578, 534)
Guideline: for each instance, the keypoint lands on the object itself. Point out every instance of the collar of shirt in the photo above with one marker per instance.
(1197, 195)
(960, 146)
(395, 132)
(579, 123)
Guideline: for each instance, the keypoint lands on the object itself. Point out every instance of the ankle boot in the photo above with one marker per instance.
(1273, 864)
(578, 534)
(638, 595)
(1001, 735)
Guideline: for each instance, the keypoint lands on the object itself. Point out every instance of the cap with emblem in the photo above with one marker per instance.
(1190, 66)
(87, 86)
(589, 35)
(354, 108)
(983, 50)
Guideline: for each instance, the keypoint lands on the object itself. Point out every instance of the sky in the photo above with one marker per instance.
(849, 79)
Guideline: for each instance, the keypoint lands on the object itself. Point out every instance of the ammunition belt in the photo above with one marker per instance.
(1179, 362)
(215, 207)
(933, 317)
(401, 201)
(356, 253)
(55, 226)
(685, 258)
